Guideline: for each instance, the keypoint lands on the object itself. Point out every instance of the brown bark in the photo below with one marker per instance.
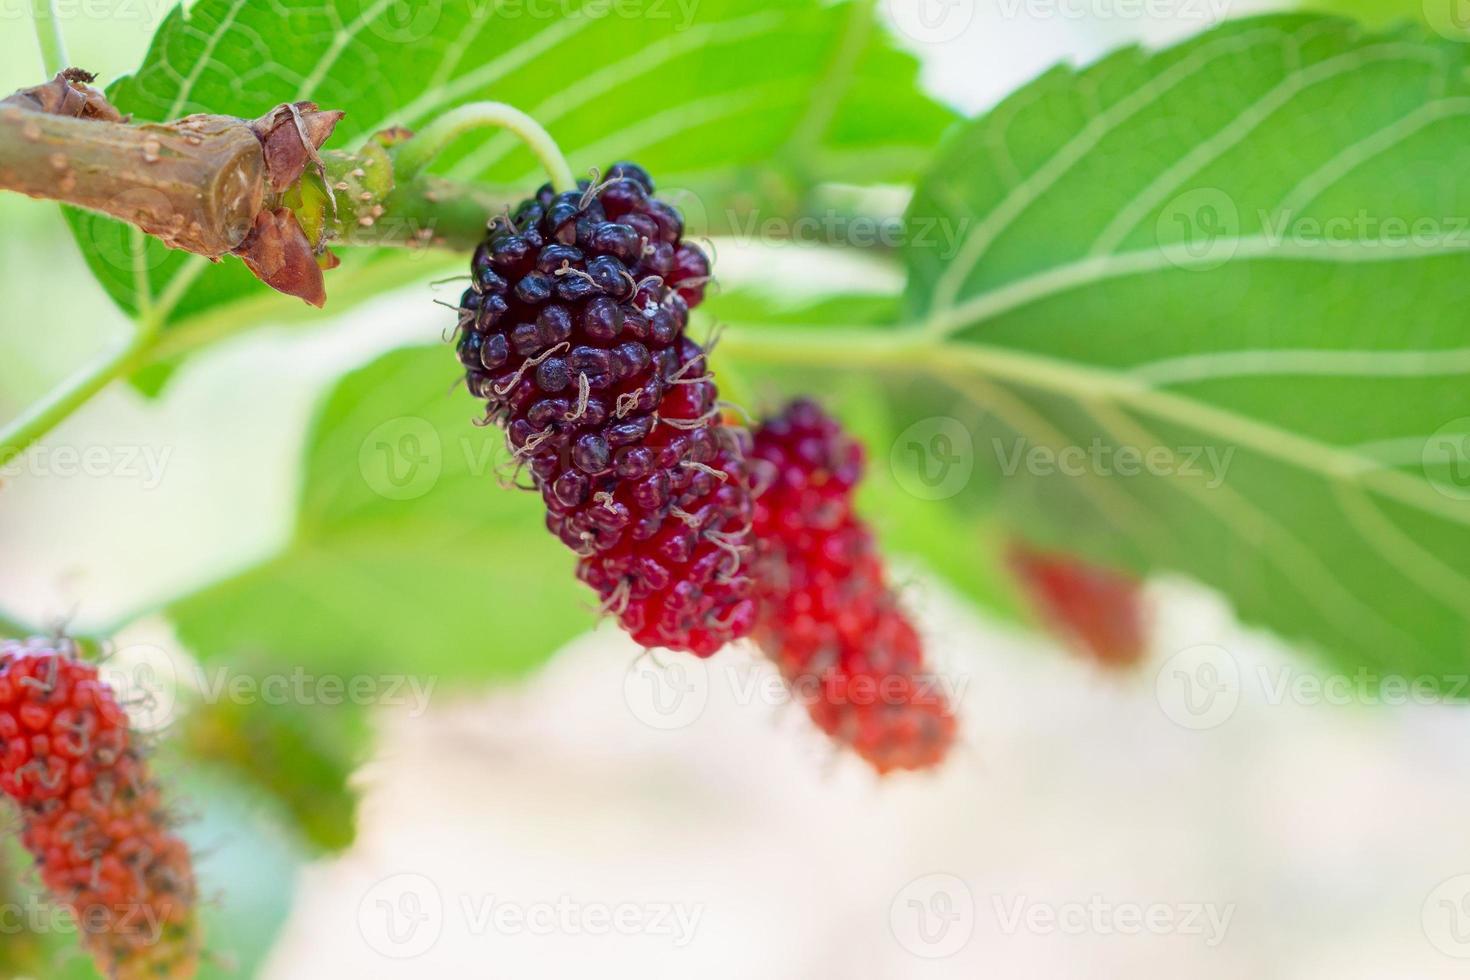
(197, 184)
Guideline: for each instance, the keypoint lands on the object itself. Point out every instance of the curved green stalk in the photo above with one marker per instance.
(75, 392)
(48, 32)
(414, 155)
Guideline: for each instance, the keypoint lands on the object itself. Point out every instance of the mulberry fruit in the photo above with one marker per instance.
(827, 616)
(1097, 610)
(91, 815)
(573, 333)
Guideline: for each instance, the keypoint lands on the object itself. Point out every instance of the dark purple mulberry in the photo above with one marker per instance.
(573, 333)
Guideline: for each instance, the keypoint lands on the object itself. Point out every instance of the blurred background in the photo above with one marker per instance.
(630, 817)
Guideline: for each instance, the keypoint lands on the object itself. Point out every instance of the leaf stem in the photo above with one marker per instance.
(51, 411)
(414, 155)
(48, 32)
(837, 344)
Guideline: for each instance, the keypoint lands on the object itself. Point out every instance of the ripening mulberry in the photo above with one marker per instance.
(91, 815)
(827, 616)
(1098, 610)
(573, 333)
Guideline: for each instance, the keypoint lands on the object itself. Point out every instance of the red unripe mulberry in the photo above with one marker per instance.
(91, 814)
(827, 615)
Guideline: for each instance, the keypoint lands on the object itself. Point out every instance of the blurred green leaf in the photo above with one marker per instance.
(24, 951)
(741, 107)
(407, 555)
(247, 865)
(1252, 245)
(300, 755)
(11, 629)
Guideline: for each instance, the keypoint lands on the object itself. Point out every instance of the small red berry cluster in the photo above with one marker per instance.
(573, 332)
(827, 616)
(92, 816)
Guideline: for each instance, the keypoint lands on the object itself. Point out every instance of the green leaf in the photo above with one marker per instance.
(301, 755)
(247, 866)
(738, 106)
(1124, 282)
(24, 950)
(407, 556)
(11, 629)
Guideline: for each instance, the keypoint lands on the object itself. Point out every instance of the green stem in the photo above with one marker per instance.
(48, 32)
(52, 410)
(838, 344)
(414, 155)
